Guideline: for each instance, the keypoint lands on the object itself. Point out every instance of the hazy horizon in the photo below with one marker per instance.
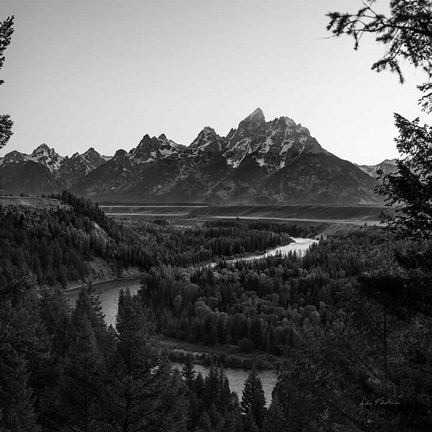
(104, 74)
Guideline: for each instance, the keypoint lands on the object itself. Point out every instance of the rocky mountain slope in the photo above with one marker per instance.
(259, 162)
(45, 171)
(388, 166)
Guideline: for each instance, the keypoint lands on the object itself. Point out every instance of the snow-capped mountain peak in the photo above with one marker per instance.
(42, 155)
(47, 157)
(152, 149)
(271, 144)
(260, 161)
(207, 141)
(13, 157)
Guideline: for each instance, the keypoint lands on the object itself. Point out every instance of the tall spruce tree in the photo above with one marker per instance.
(249, 424)
(88, 305)
(80, 382)
(141, 393)
(188, 373)
(253, 399)
(20, 344)
(216, 390)
(275, 420)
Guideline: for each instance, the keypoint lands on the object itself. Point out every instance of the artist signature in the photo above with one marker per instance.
(378, 401)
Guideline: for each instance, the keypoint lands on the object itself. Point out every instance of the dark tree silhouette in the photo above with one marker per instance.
(140, 391)
(6, 30)
(407, 35)
(253, 400)
(410, 188)
(79, 385)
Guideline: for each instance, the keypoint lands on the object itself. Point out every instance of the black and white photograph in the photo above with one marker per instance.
(215, 216)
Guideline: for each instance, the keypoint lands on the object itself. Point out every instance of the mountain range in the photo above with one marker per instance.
(259, 162)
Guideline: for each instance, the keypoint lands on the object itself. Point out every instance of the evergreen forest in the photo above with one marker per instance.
(347, 325)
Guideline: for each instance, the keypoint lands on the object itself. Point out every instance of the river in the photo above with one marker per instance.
(237, 378)
(300, 246)
(108, 294)
(109, 291)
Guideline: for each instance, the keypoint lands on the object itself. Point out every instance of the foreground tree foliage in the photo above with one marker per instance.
(350, 321)
(141, 393)
(253, 400)
(105, 380)
(6, 30)
(212, 406)
(22, 344)
(407, 34)
(341, 347)
(79, 384)
(339, 374)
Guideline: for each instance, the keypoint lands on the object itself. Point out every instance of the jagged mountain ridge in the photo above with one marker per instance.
(273, 143)
(388, 166)
(259, 162)
(63, 171)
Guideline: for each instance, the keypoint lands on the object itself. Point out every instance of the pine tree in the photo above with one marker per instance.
(80, 383)
(16, 395)
(275, 420)
(407, 34)
(55, 316)
(216, 390)
(17, 405)
(140, 391)
(249, 424)
(199, 385)
(253, 399)
(204, 423)
(88, 305)
(233, 417)
(188, 373)
(6, 30)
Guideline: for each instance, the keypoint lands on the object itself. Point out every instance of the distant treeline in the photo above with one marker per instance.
(55, 244)
(162, 203)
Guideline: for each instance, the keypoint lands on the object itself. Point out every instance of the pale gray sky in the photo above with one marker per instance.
(102, 74)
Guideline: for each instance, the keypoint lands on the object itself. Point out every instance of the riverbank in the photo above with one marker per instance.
(101, 272)
(108, 292)
(237, 378)
(225, 355)
(99, 285)
(310, 213)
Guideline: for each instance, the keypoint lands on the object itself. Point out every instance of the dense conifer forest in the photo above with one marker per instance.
(55, 243)
(353, 348)
(350, 321)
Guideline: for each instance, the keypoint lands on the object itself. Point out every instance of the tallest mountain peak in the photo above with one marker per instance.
(257, 115)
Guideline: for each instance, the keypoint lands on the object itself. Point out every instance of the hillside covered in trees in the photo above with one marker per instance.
(350, 321)
(56, 242)
(349, 324)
